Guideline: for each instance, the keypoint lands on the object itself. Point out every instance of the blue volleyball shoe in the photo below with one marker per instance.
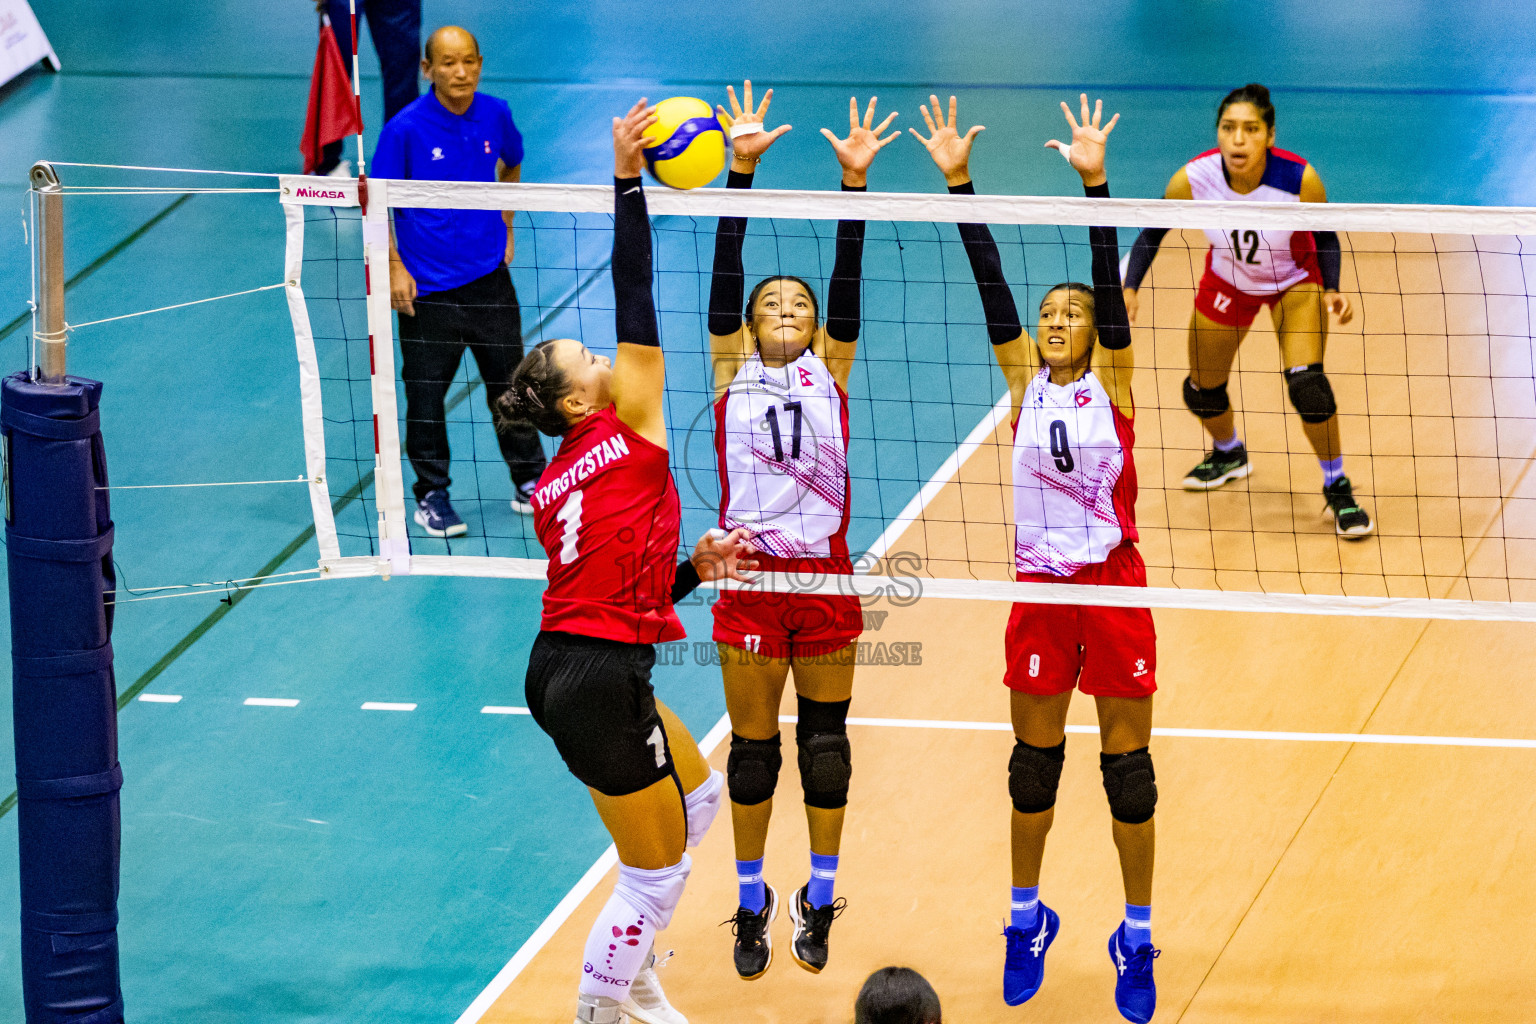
(1024, 966)
(1135, 992)
(435, 515)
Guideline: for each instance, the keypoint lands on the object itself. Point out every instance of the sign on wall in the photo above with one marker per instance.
(22, 42)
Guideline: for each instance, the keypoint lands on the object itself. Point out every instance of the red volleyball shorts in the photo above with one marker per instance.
(1105, 652)
(1222, 303)
(789, 626)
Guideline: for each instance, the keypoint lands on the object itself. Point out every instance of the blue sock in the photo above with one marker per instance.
(1024, 907)
(818, 891)
(1230, 444)
(1333, 470)
(749, 876)
(1138, 925)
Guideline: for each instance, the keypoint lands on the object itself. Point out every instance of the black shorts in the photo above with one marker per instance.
(594, 699)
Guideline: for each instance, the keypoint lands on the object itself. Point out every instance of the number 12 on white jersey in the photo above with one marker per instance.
(570, 517)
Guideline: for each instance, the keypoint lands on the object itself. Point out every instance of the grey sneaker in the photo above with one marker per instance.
(1217, 468)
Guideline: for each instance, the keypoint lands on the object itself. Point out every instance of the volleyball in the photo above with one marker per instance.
(686, 147)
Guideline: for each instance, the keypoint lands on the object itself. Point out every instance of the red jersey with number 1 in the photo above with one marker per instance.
(607, 513)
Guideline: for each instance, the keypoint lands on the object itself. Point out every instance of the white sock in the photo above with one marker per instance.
(617, 946)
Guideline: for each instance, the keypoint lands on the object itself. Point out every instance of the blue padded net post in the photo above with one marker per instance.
(58, 536)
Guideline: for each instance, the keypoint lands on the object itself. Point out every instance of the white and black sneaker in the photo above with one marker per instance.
(813, 926)
(754, 942)
(1218, 467)
(1350, 521)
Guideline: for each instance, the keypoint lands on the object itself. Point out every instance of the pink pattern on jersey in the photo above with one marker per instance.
(1056, 559)
(1093, 496)
(823, 471)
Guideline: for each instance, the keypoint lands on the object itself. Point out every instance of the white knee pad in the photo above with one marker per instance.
(654, 893)
(702, 805)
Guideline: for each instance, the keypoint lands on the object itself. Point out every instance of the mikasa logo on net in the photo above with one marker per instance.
(305, 191)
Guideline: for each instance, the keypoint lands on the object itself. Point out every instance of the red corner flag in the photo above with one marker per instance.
(333, 112)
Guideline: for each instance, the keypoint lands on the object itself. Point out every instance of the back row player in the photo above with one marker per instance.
(1295, 273)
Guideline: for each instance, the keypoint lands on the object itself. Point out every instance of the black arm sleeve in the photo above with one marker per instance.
(843, 312)
(987, 265)
(726, 286)
(1329, 259)
(1108, 300)
(634, 310)
(686, 582)
(1142, 251)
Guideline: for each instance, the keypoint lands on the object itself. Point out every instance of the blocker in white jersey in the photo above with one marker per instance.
(781, 435)
(1074, 481)
(1261, 264)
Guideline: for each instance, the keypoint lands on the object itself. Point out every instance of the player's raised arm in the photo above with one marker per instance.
(729, 344)
(1115, 360)
(837, 341)
(1011, 344)
(639, 371)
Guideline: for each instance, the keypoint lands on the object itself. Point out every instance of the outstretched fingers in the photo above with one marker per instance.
(1070, 119)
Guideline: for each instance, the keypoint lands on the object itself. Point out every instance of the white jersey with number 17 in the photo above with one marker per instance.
(781, 436)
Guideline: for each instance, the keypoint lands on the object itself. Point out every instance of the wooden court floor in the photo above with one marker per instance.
(1299, 878)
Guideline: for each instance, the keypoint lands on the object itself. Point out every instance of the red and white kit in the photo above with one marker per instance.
(1074, 501)
(781, 435)
(607, 513)
(1246, 269)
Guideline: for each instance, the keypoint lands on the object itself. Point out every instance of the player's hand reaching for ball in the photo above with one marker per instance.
(1339, 306)
(1086, 153)
(858, 150)
(748, 147)
(949, 149)
(629, 139)
(720, 555)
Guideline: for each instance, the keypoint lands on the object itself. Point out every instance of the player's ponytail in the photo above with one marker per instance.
(1255, 94)
(538, 386)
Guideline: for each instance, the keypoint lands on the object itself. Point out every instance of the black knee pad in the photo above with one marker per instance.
(1206, 403)
(752, 769)
(1033, 775)
(1311, 393)
(826, 759)
(1130, 784)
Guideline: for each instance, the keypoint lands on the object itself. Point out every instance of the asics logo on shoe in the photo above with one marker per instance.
(1119, 959)
(1038, 945)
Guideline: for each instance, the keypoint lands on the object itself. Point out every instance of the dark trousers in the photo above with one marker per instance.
(484, 317)
(395, 26)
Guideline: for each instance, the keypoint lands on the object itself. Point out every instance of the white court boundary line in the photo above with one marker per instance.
(567, 906)
(1212, 734)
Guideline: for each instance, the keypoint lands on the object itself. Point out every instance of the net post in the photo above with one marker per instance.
(58, 541)
(49, 329)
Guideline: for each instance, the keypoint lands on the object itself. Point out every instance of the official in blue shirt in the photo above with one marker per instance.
(448, 275)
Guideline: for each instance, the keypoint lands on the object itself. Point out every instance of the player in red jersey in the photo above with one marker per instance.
(606, 512)
(1074, 498)
(1294, 273)
(781, 436)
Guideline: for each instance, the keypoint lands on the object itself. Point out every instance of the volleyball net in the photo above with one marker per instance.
(1433, 378)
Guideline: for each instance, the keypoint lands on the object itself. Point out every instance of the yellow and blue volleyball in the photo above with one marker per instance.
(686, 147)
